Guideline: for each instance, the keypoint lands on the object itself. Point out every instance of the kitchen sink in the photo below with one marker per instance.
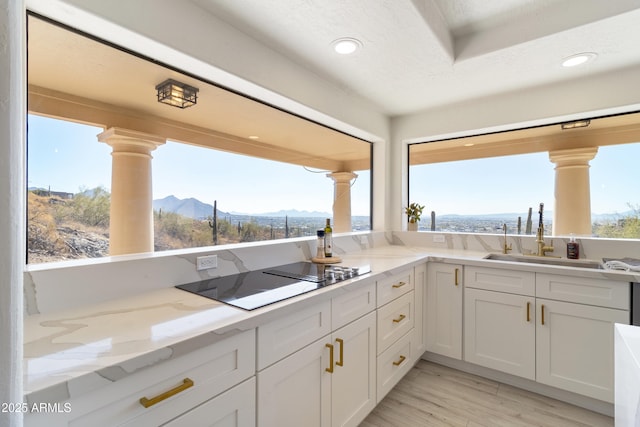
(532, 259)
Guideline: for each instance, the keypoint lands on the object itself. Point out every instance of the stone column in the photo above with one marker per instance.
(131, 222)
(572, 208)
(342, 200)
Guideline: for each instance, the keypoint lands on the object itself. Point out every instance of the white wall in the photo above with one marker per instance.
(12, 122)
(592, 96)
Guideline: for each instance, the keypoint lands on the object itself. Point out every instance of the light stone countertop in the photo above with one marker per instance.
(72, 352)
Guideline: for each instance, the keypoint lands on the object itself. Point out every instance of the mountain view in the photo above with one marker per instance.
(194, 208)
(63, 226)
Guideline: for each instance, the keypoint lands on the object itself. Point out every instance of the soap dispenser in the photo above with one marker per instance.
(573, 248)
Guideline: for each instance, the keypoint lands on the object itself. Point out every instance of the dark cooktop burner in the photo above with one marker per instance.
(256, 289)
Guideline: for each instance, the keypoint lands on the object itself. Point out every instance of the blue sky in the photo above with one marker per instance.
(68, 157)
(515, 183)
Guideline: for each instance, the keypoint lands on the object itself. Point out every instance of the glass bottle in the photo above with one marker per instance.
(320, 250)
(573, 248)
(328, 239)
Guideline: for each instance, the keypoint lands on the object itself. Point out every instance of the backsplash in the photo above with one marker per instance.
(590, 248)
(60, 286)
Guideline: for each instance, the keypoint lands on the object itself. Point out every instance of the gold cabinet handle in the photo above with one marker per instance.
(399, 361)
(457, 282)
(528, 311)
(542, 313)
(341, 361)
(186, 383)
(399, 285)
(399, 319)
(330, 368)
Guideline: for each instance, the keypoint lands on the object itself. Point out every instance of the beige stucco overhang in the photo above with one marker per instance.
(99, 85)
(621, 129)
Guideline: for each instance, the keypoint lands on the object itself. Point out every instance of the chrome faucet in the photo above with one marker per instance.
(505, 248)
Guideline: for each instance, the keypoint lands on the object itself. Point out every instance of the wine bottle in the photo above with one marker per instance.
(328, 239)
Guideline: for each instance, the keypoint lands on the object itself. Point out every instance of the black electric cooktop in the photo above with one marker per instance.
(255, 289)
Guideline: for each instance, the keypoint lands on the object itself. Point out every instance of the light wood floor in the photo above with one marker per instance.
(434, 395)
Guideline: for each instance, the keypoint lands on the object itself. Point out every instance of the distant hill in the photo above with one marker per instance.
(191, 208)
(290, 213)
(194, 208)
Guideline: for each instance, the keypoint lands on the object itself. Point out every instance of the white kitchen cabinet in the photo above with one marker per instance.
(394, 320)
(553, 333)
(292, 331)
(393, 286)
(331, 382)
(353, 383)
(583, 290)
(394, 364)
(195, 377)
(575, 347)
(233, 408)
(419, 340)
(500, 331)
(352, 304)
(444, 309)
(396, 327)
(296, 391)
(500, 280)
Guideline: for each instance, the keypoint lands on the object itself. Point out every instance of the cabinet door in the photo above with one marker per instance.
(574, 347)
(500, 331)
(296, 391)
(353, 385)
(444, 309)
(233, 408)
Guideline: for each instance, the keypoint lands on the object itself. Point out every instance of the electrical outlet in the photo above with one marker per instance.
(206, 262)
(438, 238)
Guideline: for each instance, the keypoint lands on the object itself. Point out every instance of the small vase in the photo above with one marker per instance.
(412, 226)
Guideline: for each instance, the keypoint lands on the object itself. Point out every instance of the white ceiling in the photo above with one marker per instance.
(420, 54)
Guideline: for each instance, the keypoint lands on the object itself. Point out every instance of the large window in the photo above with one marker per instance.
(480, 195)
(477, 184)
(263, 169)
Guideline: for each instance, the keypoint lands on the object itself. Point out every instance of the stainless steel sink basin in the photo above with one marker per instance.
(532, 259)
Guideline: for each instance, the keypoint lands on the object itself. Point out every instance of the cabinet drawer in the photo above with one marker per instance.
(392, 287)
(281, 337)
(393, 364)
(394, 320)
(583, 290)
(353, 304)
(213, 369)
(233, 408)
(496, 279)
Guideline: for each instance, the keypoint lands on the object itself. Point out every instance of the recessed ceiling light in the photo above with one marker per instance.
(254, 137)
(346, 45)
(578, 59)
(469, 144)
